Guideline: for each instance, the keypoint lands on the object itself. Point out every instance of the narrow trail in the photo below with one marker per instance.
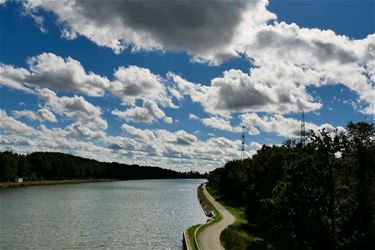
(209, 238)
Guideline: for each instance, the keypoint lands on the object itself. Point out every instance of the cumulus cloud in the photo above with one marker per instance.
(287, 53)
(134, 83)
(145, 134)
(179, 149)
(220, 123)
(74, 139)
(180, 145)
(10, 125)
(225, 125)
(46, 115)
(240, 92)
(54, 72)
(205, 29)
(148, 113)
(75, 107)
(13, 77)
(282, 126)
(179, 137)
(84, 132)
(237, 91)
(41, 115)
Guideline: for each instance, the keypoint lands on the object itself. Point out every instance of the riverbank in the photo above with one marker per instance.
(4, 185)
(207, 236)
(212, 214)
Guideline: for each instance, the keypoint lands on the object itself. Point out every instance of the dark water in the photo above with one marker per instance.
(142, 214)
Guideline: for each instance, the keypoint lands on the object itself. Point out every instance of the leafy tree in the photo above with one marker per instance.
(8, 169)
(318, 196)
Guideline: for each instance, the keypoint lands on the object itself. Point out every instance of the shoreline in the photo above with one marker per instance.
(5, 185)
(213, 216)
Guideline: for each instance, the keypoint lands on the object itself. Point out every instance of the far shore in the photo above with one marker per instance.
(4, 185)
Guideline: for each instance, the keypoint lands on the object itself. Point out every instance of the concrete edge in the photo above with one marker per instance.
(186, 245)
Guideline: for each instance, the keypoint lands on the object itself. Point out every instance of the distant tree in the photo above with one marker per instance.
(59, 166)
(8, 166)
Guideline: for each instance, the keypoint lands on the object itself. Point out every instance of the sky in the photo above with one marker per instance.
(171, 83)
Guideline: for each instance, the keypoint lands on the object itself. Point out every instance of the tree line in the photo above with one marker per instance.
(315, 196)
(59, 166)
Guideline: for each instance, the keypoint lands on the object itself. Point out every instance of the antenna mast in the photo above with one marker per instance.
(243, 143)
(303, 129)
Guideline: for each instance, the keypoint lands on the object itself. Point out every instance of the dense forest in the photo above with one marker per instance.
(59, 166)
(315, 196)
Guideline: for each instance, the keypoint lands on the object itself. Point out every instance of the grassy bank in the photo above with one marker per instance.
(207, 207)
(237, 236)
(190, 233)
(49, 182)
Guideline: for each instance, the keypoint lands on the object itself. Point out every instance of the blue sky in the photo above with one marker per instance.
(171, 86)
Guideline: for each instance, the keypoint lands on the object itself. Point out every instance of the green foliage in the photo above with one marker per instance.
(8, 168)
(320, 196)
(236, 238)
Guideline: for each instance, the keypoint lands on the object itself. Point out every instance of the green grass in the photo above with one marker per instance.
(190, 233)
(236, 236)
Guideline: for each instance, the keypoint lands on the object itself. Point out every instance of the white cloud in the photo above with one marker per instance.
(83, 132)
(179, 137)
(145, 134)
(193, 117)
(148, 113)
(9, 125)
(14, 77)
(196, 91)
(288, 57)
(240, 92)
(46, 115)
(135, 83)
(220, 123)
(181, 146)
(255, 145)
(282, 126)
(206, 29)
(180, 149)
(75, 107)
(287, 53)
(41, 115)
(54, 72)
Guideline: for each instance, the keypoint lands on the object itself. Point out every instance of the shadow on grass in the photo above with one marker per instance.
(242, 234)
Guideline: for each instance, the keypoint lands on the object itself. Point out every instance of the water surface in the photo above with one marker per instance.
(141, 214)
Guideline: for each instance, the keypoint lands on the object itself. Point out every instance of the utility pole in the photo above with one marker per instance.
(303, 129)
(243, 143)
